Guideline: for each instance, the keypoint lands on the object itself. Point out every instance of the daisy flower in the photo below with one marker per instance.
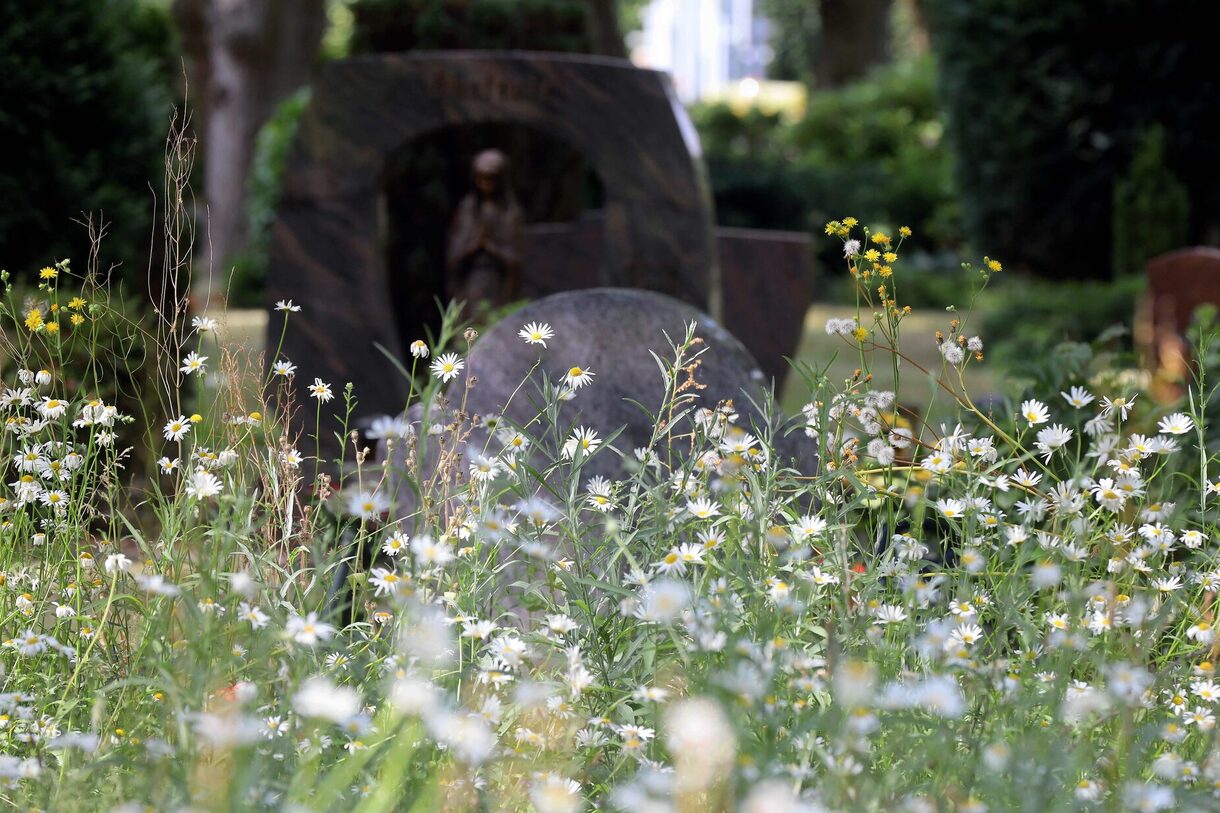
(536, 333)
(1052, 438)
(321, 390)
(395, 544)
(204, 324)
(1078, 397)
(1035, 412)
(204, 484)
(702, 508)
(283, 367)
(577, 377)
(252, 613)
(177, 428)
(308, 630)
(447, 367)
(1179, 423)
(287, 305)
(429, 551)
(1120, 405)
(951, 509)
(807, 527)
(418, 349)
(368, 504)
(583, 438)
(193, 363)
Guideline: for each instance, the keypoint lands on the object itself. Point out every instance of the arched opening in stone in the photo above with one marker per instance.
(425, 180)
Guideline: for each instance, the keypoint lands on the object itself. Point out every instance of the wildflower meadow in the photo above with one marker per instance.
(968, 606)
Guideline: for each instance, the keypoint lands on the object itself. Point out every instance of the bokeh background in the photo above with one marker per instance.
(1072, 139)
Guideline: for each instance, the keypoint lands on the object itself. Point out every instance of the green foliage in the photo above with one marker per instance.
(872, 146)
(83, 104)
(1046, 112)
(795, 26)
(964, 611)
(404, 25)
(1024, 319)
(1151, 208)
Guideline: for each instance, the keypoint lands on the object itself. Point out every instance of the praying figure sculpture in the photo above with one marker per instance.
(483, 260)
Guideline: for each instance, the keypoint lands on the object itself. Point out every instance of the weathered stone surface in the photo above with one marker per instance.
(1178, 283)
(327, 251)
(767, 280)
(610, 332)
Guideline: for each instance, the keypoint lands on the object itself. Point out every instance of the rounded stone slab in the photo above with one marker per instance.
(610, 332)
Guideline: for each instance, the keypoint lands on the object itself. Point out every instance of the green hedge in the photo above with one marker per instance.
(873, 149)
(1047, 102)
(84, 107)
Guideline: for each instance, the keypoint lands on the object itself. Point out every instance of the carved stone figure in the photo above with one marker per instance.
(483, 260)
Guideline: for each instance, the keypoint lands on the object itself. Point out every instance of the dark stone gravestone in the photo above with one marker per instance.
(329, 243)
(767, 281)
(381, 163)
(609, 332)
(1178, 283)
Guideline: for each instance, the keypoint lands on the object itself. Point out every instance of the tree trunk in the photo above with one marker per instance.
(855, 39)
(604, 30)
(245, 57)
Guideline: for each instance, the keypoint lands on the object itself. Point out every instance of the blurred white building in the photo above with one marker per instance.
(706, 45)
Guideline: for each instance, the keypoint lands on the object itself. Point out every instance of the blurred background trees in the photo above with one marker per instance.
(1048, 103)
(1071, 139)
(85, 103)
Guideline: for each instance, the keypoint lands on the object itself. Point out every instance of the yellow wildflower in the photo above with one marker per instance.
(33, 319)
(77, 319)
(49, 273)
(76, 303)
(905, 231)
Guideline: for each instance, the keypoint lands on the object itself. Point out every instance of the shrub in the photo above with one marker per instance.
(1026, 318)
(872, 146)
(84, 102)
(1151, 208)
(1045, 116)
